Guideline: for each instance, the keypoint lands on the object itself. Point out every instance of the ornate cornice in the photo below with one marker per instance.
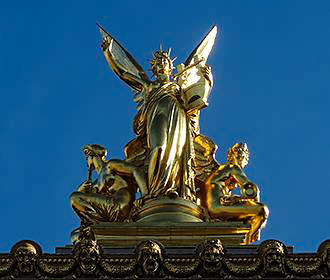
(151, 260)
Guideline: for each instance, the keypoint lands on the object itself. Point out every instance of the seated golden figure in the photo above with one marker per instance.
(221, 204)
(110, 197)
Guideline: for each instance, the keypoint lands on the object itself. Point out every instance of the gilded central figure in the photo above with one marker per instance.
(167, 118)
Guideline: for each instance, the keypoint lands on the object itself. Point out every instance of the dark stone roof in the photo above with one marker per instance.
(150, 259)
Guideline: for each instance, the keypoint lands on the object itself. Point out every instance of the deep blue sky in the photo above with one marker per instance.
(271, 66)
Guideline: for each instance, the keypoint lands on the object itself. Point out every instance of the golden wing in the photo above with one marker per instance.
(196, 86)
(204, 48)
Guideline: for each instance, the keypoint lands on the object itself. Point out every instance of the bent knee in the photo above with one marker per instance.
(75, 197)
(264, 211)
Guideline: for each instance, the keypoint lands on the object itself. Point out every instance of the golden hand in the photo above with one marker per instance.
(206, 71)
(105, 44)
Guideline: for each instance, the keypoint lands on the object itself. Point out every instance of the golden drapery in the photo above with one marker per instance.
(164, 127)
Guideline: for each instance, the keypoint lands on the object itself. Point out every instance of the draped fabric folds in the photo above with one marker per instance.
(165, 128)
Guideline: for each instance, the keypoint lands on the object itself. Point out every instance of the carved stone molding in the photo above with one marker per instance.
(150, 259)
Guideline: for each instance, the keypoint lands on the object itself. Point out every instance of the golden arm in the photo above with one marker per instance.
(133, 81)
(248, 189)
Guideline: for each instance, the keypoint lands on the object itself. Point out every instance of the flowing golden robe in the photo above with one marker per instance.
(163, 126)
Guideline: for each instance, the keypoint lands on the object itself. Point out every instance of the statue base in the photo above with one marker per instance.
(165, 209)
(171, 221)
(170, 233)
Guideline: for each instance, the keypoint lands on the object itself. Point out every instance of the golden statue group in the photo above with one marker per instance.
(169, 172)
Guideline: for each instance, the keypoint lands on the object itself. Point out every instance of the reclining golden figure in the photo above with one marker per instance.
(111, 196)
(221, 204)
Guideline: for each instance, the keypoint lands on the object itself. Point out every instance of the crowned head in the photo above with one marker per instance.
(162, 64)
(239, 153)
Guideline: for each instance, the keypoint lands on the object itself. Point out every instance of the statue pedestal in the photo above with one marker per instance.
(165, 209)
(170, 233)
(171, 221)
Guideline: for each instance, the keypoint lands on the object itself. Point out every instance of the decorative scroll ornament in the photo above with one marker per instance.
(118, 267)
(303, 266)
(57, 265)
(182, 266)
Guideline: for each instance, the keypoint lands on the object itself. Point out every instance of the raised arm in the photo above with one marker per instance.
(123, 63)
(133, 80)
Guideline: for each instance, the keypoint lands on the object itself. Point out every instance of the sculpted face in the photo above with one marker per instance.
(88, 258)
(95, 150)
(150, 257)
(87, 254)
(240, 152)
(26, 256)
(212, 258)
(243, 159)
(273, 260)
(212, 255)
(162, 65)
